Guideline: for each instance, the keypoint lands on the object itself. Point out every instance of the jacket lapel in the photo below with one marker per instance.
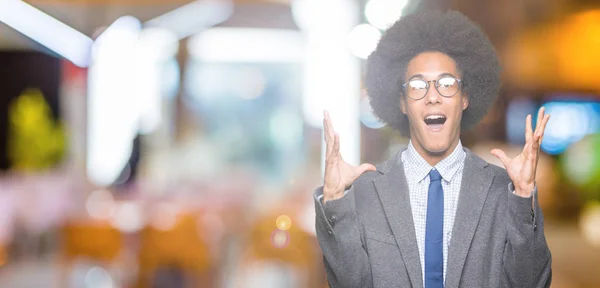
(392, 188)
(476, 182)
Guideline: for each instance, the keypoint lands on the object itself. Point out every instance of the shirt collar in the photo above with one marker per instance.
(447, 167)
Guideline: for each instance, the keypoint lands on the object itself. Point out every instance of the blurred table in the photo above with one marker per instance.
(575, 263)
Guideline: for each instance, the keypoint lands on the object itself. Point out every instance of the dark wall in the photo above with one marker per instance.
(20, 70)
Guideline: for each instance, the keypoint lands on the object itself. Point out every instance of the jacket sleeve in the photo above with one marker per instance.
(341, 240)
(527, 260)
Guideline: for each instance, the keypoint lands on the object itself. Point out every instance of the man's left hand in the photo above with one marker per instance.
(522, 168)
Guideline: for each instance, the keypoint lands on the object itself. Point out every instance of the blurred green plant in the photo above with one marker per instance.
(36, 141)
(581, 165)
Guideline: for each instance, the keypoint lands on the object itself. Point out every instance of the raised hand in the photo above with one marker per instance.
(522, 168)
(339, 175)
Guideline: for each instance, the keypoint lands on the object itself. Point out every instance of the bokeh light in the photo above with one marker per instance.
(100, 204)
(363, 40)
(128, 217)
(590, 224)
(165, 216)
(97, 277)
(581, 163)
(310, 15)
(367, 117)
(283, 222)
(383, 13)
(280, 239)
(251, 83)
(570, 122)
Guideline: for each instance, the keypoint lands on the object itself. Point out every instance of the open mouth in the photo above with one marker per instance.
(435, 122)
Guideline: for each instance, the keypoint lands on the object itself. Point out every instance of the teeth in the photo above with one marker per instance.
(435, 117)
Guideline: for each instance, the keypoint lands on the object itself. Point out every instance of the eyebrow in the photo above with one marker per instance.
(420, 76)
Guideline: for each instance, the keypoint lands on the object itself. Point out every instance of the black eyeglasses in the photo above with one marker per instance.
(447, 86)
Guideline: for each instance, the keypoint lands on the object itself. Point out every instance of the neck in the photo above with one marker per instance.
(433, 158)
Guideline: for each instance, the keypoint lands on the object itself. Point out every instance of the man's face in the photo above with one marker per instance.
(434, 119)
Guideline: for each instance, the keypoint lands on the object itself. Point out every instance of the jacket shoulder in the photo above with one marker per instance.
(382, 168)
(499, 174)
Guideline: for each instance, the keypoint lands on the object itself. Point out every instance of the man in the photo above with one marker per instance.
(435, 214)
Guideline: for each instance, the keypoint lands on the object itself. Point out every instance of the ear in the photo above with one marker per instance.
(465, 102)
(402, 105)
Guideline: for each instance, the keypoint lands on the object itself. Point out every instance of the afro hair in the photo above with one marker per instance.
(450, 33)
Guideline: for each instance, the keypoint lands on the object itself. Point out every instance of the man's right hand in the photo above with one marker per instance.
(339, 175)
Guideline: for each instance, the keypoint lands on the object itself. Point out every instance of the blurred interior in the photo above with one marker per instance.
(177, 143)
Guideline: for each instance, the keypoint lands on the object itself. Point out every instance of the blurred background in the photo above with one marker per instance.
(177, 143)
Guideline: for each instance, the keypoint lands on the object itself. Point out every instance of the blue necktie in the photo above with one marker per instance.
(434, 233)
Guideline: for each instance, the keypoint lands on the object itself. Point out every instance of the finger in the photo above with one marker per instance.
(539, 141)
(336, 146)
(540, 131)
(543, 124)
(324, 128)
(528, 130)
(328, 140)
(544, 129)
(330, 130)
(502, 156)
(366, 167)
(326, 124)
(540, 117)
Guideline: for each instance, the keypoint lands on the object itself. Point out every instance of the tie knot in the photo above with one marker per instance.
(434, 175)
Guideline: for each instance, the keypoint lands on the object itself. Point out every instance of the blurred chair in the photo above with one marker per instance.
(175, 253)
(3, 255)
(292, 254)
(90, 240)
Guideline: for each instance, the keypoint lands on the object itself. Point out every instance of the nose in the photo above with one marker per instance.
(433, 96)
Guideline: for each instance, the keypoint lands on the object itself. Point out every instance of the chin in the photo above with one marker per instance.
(434, 141)
(437, 148)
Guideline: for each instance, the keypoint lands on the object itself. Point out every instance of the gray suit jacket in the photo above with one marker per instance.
(368, 236)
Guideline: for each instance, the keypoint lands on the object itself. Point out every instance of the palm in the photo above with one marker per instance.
(338, 174)
(522, 168)
(518, 169)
